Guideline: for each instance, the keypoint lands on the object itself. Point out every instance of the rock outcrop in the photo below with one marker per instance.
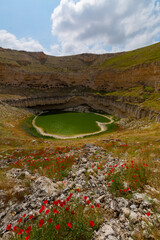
(109, 104)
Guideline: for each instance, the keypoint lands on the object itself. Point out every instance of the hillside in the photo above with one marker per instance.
(101, 72)
(94, 188)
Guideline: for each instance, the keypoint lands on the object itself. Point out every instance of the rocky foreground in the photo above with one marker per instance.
(124, 216)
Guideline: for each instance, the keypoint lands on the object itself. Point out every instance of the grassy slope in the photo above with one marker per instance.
(132, 58)
(150, 98)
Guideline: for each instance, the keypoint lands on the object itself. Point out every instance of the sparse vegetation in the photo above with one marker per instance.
(130, 59)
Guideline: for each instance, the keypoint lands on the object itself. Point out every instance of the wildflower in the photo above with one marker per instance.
(69, 225)
(20, 220)
(92, 206)
(57, 227)
(77, 189)
(15, 229)
(66, 209)
(50, 220)
(47, 211)
(148, 214)
(73, 212)
(45, 202)
(91, 223)
(54, 210)
(42, 209)
(24, 215)
(41, 222)
(97, 205)
(31, 216)
(85, 197)
(8, 227)
(20, 231)
(28, 236)
(88, 202)
(28, 230)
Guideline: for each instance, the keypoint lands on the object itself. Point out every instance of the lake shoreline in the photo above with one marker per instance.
(102, 126)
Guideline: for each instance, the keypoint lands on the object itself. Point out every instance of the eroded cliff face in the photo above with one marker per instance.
(37, 70)
(109, 104)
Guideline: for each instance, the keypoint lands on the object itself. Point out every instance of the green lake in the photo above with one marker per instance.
(70, 123)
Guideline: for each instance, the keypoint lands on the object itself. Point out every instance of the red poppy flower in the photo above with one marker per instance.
(20, 231)
(77, 189)
(15, 229)
(20, 220)
(45, 202)
(66, 209)
(24, 215)
(54, 210)
(72, 212)
(42, 209)
(41, 222)
(57, 227)
(97, 205)
(47, 211)
(50, 220)
(69, 225)
(85, 197)
(31, 216)
(92, 206)
(28, 236)
(88, 202)
(28, 230)
(8, 227)
(91, 223)
(148, 214)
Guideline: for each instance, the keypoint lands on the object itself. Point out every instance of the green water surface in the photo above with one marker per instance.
(69, 123)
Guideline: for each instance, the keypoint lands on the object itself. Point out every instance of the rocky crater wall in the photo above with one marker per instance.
(109, 104)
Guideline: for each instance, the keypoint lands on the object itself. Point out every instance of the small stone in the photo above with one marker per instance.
(133, 217)
(107, 230)
(126, 212)
(110, 237)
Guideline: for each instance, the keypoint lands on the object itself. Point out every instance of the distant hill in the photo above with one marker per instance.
(106, 72)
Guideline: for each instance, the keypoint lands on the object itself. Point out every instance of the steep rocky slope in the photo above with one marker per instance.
(46, 82)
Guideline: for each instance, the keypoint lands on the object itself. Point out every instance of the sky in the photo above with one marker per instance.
(68, 27)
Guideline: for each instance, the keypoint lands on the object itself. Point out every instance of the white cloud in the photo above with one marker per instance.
(8, 40)
(94, 26)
